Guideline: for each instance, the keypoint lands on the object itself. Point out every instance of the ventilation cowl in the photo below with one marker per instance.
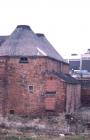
(40, 35)
(23, 27)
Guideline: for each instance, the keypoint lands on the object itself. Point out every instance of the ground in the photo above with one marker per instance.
(44, 138)
(46, 127)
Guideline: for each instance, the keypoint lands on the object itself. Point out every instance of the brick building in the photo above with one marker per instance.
(34, 78)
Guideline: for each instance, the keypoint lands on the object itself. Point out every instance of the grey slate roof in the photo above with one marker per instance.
(48, 48)
(66, 77)
(3, 39)
(24, 42)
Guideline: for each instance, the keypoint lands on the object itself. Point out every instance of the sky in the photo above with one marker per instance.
(65, 23)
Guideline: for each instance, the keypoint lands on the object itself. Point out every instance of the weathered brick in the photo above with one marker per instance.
(16, 78)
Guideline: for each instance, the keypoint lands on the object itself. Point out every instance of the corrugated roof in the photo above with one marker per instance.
(24, 42)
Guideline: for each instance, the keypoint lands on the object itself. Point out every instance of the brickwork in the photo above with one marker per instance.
(85, 98)
(85, 91)
(56, 85)
(16, 79)
(33, 76)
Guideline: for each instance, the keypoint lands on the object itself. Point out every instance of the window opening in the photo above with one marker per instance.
(30, 88)
(50, 93)
(23, 60)
(12, 112)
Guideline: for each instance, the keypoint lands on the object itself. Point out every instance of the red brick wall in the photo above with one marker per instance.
(85, 91)
(50, 103)
(85, 96)
(58, 86)
(3, 86)
(19, 76)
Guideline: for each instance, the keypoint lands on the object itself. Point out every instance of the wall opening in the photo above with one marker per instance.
(50, 93)
(30, 88)
(12, 111)
(23, 60)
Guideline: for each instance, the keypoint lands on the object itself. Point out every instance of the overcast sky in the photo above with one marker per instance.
(66, 23)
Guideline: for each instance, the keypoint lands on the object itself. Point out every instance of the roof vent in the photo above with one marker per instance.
(24, 27)
(40, 35)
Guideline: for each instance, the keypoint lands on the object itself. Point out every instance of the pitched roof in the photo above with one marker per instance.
(24, 42)
(66, 77)
(69, 79)
(20, 43)
(48, 48)
(3, 39)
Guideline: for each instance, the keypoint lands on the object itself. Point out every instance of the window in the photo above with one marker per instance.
(12, 112)
(30, 88)
(23, 60)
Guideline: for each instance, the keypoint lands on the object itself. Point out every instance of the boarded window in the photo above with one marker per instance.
(23, 60)
(50, 93)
